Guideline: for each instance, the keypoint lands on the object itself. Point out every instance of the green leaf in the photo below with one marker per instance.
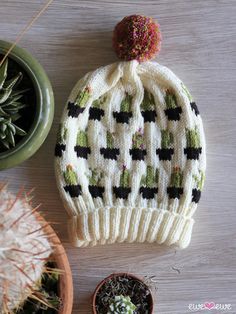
(19, 131)
(3, 73)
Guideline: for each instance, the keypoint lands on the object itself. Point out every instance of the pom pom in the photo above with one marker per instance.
(137, 37)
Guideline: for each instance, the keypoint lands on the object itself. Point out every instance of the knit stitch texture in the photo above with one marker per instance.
(130, 156)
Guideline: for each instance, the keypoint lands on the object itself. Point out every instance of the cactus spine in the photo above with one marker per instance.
(193, 138)
(121, 305)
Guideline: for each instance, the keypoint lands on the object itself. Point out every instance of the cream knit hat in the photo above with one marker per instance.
(130, 156)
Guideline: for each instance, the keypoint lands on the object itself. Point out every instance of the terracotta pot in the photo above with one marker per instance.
(61, 260)
(116, 275)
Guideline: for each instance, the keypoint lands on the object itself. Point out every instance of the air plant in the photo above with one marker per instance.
(24, 253)
(121, 305)
(10, 106)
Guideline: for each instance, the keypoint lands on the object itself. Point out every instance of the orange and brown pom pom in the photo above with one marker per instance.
(137, 37)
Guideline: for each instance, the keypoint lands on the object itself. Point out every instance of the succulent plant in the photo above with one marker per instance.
(24, 251)
(170, 100)
(151, 178)
(121, 305)
(10, 106)
(193, 138)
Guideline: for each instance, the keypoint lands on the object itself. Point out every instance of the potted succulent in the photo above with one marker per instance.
(77, 107)
(123, 190)
(193, 146)
(166, 151)
(122, 293)
(95, 188)
(125, 110)
(82, 148)
(110, 152)
(199, 181)
(95, 111)
(26, 106)
(149, 183)
(148, 107)
(61, 141)
(72, 187)
(35, 273)
(192, 103)
(138, 151)
(175, 190)
(172, 110)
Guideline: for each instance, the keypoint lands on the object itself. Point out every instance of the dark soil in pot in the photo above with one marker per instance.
(73, 190)
(110, 153)
(137, 153)
(173, 114)
(96, 113)
(148, 193)
(192, 153)
(174, 192)
(96, 191)
(74, 110)
(126, 285)
(82, 151)
(196, 195)
(28, 98)
(122, 116)
(165, 153)
(59, 149)
(121, 192)
(149, 115)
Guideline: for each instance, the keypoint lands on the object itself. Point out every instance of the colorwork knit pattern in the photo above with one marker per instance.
(130, 156)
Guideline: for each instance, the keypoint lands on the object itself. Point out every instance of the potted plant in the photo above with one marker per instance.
(35, 273)
(166, 151)
(193, 146)
(95, 111)
(95, 188)
(82, 148)
(77, 107)
(71, 179)
(138, 152)
(192, 103)
(123, 190)
(172, 110)
(148, 107)
(61, 141)
(125, 110)
(122, 293)
(110, 152)
(199, 181)
(149, 183)
(26, 106)
(175, 190)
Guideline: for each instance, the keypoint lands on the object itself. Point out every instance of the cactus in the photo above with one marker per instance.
(121, 305)
(170, 100)
(176, 178)
(148, 102)
(199, 180)
(124, 178)
(24, 251)
(83, 97)
(110, 140)
(10, 106)
(62, 134)
(151, 178)
(95, 178)
(193, 138)
(82, 139)
(99, 102)
(166, 139)
(137, 140)
(125, 105)
(70, 176)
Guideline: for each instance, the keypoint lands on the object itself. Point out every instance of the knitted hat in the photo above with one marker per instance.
(130, 154)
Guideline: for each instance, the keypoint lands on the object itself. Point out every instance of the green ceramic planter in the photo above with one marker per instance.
(43, 108)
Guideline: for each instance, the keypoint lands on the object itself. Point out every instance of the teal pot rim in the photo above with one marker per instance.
(44, 114)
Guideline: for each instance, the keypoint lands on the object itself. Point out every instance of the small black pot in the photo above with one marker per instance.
(122, 116)
(173, 114)
(196, 195)
(110, 153)
(194, 108)
(149, 115)
(73, 190)
(121, 192)
(148, 193)
(74, 110)
(82, 151)
(192, 153)
(96, 191)
(174, 192)
(95, 113)
(59, 149)
(137, 153)
(165, 153)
